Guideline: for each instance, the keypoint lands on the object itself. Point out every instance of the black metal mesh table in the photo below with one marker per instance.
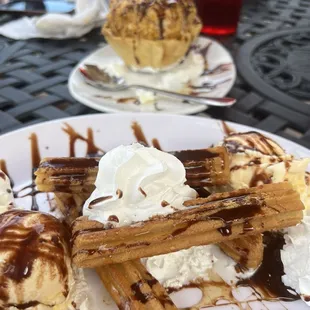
(34, 74)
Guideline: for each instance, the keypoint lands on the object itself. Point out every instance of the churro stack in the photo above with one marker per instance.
(218, 218)
(72, 179)
(234, 220)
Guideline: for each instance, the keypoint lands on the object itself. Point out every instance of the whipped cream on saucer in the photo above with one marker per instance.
(6, 193)
(296, 259)
(174, 270)
(135, 183)
(175, 79)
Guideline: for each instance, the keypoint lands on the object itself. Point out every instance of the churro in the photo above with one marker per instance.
(132, 287)
(75, 175)
(247, 251)
(218, 218)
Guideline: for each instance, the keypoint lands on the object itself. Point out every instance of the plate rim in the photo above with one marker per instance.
(203, 121)
(87, 102)
(142, 115)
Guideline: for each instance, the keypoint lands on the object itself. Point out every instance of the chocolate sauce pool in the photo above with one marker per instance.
(268, 278)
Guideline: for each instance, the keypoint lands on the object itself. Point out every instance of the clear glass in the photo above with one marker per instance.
(219, 17)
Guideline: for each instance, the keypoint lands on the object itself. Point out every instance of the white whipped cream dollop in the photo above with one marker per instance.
(135, 183)
(177, 269)
(180, 268)
(6, 193)
(296, 259)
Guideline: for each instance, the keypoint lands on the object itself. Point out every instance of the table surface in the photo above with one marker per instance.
(34, 75)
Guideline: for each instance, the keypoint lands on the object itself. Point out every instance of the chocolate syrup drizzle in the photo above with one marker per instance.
(2, 176)
(74, 136)
(260, 177)
(140, 137)
(268, 148)
(142, 297)
(206, 87)
(25, 243)
(227, 130)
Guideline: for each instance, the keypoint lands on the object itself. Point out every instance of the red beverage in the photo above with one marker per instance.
(219, 17)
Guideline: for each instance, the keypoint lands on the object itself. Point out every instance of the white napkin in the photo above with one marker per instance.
(88, 15)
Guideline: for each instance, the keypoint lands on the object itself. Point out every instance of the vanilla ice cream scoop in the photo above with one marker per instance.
(6, 193)
(135, 183)
(253, 148)
(35, 263)
(256, 159)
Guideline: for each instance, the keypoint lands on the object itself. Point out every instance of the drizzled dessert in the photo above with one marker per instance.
(141, 206)
(151, 33)
(35, 260)
(36, 270)
(255, 160)
(155, 42)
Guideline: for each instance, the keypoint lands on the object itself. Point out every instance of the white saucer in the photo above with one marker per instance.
(118, 102)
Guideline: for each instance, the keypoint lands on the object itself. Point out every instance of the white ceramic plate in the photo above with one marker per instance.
(216, 55)
(110, 130)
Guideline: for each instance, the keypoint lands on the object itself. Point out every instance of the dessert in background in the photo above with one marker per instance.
(35, 264)
(151, 33)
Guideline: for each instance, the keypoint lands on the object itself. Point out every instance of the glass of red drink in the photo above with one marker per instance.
(219, 17)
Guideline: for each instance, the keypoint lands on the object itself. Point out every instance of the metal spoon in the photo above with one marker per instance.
(101, 79)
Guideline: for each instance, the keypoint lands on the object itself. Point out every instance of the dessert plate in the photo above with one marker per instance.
(216, 81)
(78, 135)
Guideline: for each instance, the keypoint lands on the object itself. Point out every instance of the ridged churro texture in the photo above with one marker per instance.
(132, 287)
(218, 218)
(247, 251)
(67, 175)
(77, 175)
